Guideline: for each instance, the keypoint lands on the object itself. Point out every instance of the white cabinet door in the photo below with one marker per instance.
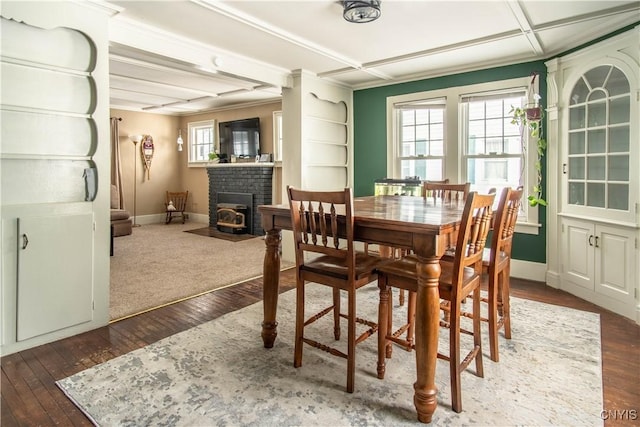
(578, 253)
(55, 270)
(615, 263)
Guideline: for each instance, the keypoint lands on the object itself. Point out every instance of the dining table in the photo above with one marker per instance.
(422, 225)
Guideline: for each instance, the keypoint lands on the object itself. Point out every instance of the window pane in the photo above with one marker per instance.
(595, 168)
(576, 193)
(618, 197)
(619, 139)
(596, 76)
(597, 143)
(595, 195)
(596, 114)
(620, 110)
(576, 168)
(617, 83)
(437, 147)
(494, 108)
(576, 143)
(577, 117)
(426, 169)
(580, 93)
(494, 172)
(618, 168)
(408, 117)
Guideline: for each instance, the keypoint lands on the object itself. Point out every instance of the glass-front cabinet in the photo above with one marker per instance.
(599, 140)
(598, 190)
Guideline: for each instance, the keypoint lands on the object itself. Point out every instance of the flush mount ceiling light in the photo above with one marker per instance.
(361, 11)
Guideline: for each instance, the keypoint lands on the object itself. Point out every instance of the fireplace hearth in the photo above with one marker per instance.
(233, 212)
(248, 184)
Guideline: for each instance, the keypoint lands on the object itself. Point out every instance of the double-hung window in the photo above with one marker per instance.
(492, 146)
(465, 134)
(421, 139)
(201, 141)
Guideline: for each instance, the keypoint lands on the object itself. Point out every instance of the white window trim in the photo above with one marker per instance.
(454, 161)
(190, 125)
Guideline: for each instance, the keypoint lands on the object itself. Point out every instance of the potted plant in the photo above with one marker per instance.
(529, 118)
(213, 157)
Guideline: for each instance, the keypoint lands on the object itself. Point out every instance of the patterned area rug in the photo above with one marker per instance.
(219, 374)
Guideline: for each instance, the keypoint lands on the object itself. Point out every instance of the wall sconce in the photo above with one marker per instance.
(180, 141)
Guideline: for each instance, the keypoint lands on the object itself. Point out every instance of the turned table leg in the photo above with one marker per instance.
(426, 337)
(270, 280)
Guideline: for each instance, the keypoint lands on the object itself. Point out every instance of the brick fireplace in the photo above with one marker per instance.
(252, 180)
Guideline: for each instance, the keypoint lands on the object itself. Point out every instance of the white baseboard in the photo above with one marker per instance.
(160, 218)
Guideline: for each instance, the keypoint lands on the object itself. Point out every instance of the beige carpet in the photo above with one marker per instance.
(160, 264)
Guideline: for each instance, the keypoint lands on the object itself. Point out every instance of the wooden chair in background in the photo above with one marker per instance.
(446, 192)
(175, 205)
(332, 262)
(496, 262)
(458, 280)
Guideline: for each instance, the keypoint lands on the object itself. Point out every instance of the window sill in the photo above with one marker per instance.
(528, 228)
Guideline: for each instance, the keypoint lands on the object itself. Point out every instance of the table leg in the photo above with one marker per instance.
(270, 282)
(427, 329)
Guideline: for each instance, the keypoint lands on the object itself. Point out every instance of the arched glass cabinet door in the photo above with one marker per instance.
(599, 140)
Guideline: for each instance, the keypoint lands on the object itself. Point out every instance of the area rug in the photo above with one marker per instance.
(219, 374)
(214, 232)
(159, 264)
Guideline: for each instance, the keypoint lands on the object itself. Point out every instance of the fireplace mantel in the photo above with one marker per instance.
(240, 165)
(254, 178)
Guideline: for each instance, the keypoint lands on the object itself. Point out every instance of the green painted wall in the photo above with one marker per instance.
(370, 136)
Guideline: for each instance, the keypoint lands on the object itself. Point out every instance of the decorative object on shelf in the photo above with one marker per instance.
(361, 11)
(147, 153)
(213, 157)
(135, 139)
(180, 140)
(529, 118)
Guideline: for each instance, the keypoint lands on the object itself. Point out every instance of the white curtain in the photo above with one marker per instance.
(116, 170)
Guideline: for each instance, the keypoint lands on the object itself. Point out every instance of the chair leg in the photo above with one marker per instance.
(454, 356)
(336, 313)
(389, 345)
(167, 219)
(411, 317)
(297, 358)
(383, 324)
(506, 309)
(351, 338)
(493, 314)
(477, 339)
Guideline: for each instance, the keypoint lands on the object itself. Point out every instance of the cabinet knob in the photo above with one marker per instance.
(25, 241)
(591, 240)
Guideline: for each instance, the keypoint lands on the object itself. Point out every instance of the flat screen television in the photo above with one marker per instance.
(240, 138)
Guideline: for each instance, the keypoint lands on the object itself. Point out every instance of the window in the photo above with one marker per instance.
(277, 136)
(492, 151)
(465, 134)
(421, 139)
(201, 141)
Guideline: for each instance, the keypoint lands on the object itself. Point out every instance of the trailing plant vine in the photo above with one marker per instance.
(530, 119)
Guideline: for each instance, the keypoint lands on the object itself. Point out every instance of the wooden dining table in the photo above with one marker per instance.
(422, 225)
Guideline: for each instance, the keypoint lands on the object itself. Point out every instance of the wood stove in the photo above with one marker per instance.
(231, 218)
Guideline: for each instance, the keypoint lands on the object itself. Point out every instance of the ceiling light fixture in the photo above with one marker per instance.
(361, 11)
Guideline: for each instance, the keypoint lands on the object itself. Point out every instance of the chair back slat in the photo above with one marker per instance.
(472, 236)
(323, 224)
(446, 192)
(505, 221)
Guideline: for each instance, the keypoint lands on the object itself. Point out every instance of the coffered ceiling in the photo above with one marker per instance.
(182, 57)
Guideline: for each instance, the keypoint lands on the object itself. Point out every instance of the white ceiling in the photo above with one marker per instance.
(183, 57)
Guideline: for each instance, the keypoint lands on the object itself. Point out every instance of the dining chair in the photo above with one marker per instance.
(446, 192)
(442, 181)
(323, 226)
(496, 262)
(458, 279)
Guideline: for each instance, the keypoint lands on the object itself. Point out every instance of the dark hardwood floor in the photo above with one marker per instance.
(31, 398)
